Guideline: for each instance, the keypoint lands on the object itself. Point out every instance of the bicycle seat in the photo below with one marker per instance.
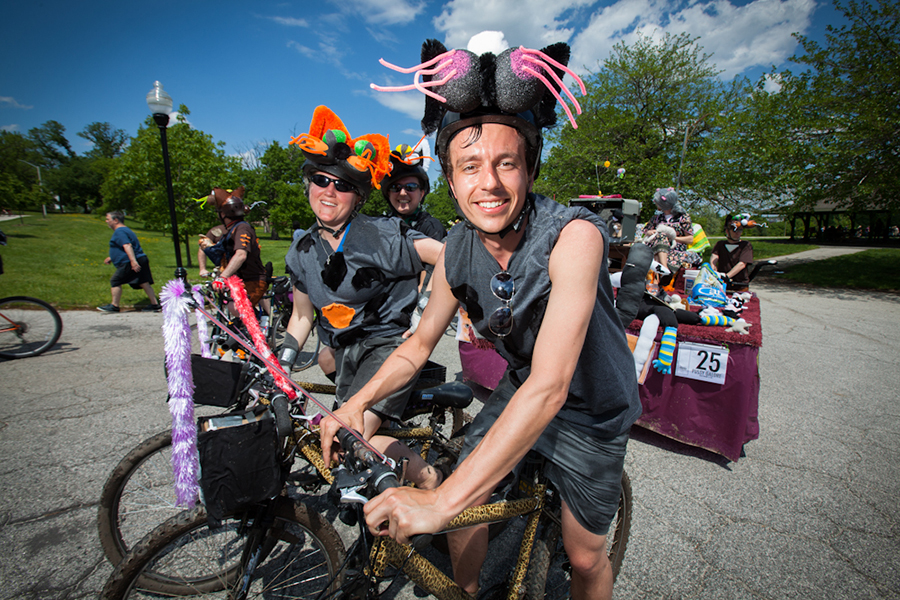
(447, 395)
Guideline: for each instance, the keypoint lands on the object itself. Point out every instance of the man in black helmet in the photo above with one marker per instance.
(532, 276)
(242, 251)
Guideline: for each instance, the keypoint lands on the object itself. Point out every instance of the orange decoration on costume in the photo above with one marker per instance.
(323, 121)
(338, 315)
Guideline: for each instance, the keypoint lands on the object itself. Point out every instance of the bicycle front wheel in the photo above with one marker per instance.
(138, 496)
(28, 327)
(300, 556)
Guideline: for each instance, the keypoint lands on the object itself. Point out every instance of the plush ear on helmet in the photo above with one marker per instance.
(546, 112)
(434, 110)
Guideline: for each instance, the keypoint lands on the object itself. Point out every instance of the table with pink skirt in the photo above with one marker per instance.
(719, 417)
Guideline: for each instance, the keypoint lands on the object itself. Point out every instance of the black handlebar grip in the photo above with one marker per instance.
(283, 424)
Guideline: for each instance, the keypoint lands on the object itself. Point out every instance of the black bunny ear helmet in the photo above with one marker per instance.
(518, 87)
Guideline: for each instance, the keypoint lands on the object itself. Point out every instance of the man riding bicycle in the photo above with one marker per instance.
(532, 276)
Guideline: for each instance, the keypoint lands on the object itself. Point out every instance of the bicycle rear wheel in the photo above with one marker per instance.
(301, 554)
(28, 327)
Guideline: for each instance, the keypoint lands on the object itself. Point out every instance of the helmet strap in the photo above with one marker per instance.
(335, 233)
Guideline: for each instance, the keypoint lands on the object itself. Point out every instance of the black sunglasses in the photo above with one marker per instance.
(501, 321)
(340, 185)
(409, 187)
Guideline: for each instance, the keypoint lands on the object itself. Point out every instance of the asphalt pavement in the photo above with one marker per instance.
(809, 512)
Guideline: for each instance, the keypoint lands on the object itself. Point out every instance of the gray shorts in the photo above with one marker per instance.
(357, 364)
(586, 470)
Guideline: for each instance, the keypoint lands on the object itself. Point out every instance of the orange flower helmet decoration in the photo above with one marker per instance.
(328, 147)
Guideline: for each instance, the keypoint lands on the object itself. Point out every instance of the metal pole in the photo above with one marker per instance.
(683, 152)
(162, 121)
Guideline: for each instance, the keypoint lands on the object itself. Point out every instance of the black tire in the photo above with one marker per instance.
(28, 327)
(301, 550)
(549, 573)
(138, 495)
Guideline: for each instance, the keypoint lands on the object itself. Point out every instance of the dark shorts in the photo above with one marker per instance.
(586, 470)
(358, 363)
(124, 274)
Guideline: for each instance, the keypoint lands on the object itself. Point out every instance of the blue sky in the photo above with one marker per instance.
(252, 72)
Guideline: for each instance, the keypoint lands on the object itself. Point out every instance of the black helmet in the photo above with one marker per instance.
(229, 203)
(524, 122)
(328, 147)
(407, 162)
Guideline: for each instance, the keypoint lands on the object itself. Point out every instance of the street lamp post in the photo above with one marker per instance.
(40, 184)
(160, 104)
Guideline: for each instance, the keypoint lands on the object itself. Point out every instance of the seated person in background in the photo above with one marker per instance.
(669, 232)
(732, 255)
(211, 238)
(359, 273)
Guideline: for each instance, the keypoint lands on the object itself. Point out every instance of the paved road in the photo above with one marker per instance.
(810, 512)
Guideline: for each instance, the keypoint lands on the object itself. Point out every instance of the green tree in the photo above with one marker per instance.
(136, 180)
(438, 202)
(77, 181)
(275, 177)
(51, 142)
(17, 177)
(650, 104)
(108, 142)
(839, 118)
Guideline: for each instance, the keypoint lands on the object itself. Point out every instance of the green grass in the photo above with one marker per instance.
(877, 269)
(60, 259)
(763, 249)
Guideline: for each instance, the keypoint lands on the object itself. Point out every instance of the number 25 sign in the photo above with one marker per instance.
(702, 362)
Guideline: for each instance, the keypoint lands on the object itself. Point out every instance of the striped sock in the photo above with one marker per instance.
(717, 320)
(663, 362)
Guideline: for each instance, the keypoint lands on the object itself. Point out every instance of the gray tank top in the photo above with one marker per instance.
(603, 396)
(375, 295)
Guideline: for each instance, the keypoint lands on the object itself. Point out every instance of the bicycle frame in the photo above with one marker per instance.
(386, 551)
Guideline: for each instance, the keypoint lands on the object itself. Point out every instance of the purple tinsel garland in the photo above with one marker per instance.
(177, 337)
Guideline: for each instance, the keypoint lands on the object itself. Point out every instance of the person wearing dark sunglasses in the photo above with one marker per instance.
(405, 188)
(532, 276)
(359, 274)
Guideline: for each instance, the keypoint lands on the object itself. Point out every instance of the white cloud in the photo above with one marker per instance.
(411, 104)
(532, 23)
(11, 102)
(289, 21)
(327, 52)
(382, 12)
(772, 83)
(13, 127)
(757, 34)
